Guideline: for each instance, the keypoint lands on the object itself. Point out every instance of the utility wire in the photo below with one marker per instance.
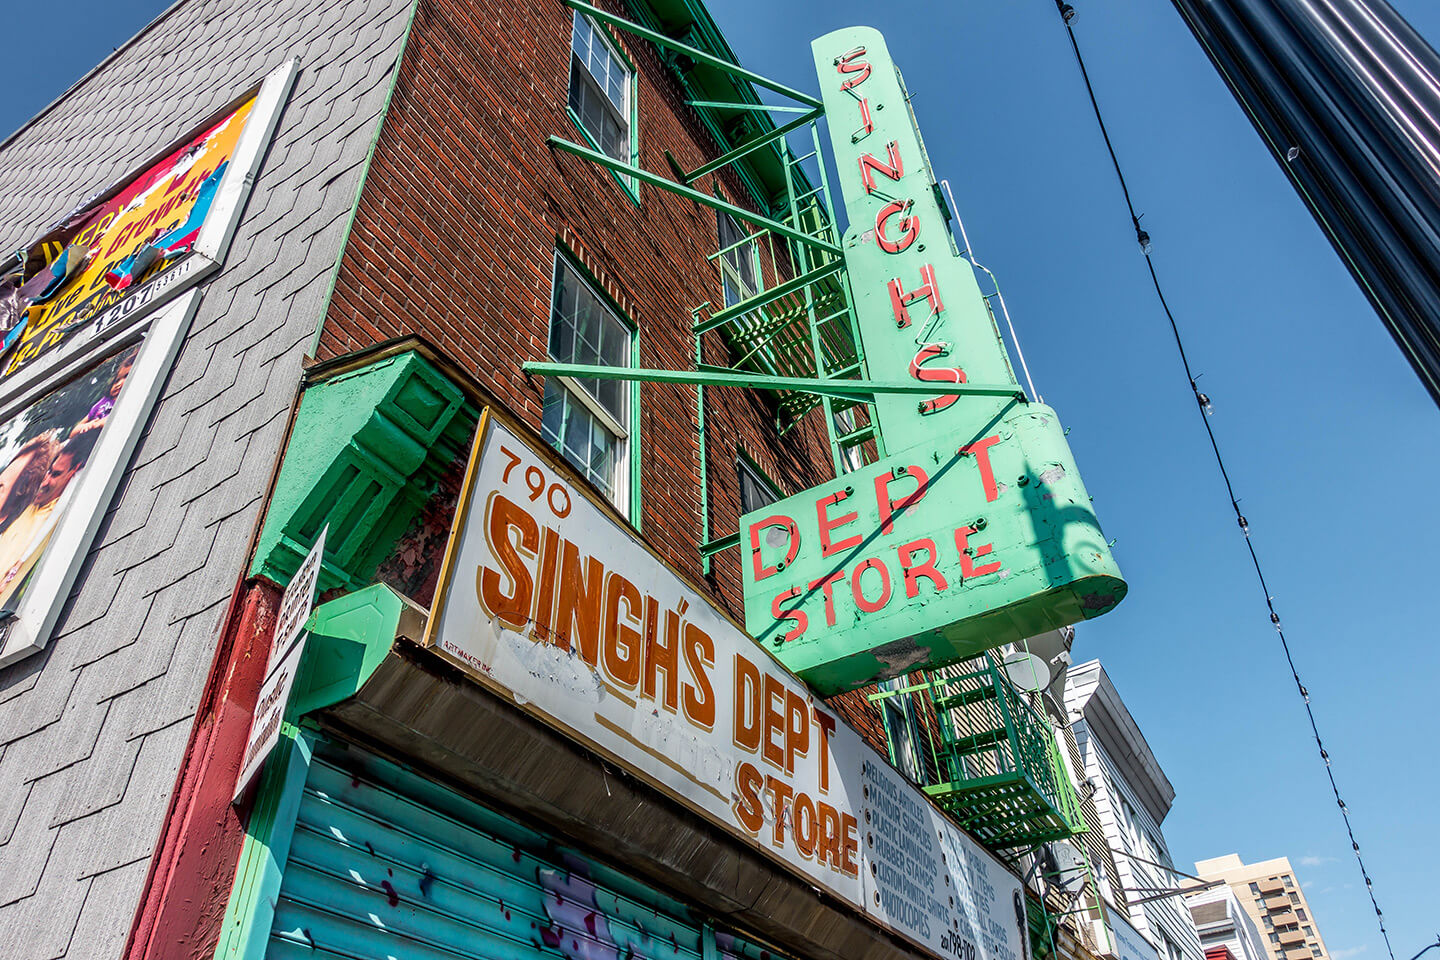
(1202, 403)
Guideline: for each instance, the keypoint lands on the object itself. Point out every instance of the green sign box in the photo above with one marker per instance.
(929, 556)
(975, 530)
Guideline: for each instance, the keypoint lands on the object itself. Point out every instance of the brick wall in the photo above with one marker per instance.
(463, 210)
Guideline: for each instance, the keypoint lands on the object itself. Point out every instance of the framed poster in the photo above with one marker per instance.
(92, 315)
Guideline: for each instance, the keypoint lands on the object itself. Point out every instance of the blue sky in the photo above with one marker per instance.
(1332, 443)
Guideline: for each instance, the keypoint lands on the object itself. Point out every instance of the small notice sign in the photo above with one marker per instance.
(296, 605)
(297, 602)
(269, 711)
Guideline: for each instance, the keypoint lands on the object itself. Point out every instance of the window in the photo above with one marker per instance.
(852, 458)
(902, 730)
(588, 420)
(737, 262)
(1316, 952)
(1295, 898)
(1255, 889)
(755, 489)
(601, 92)
(1274, 938)
(1288, 881)
(1301, 913)
(1309, 931)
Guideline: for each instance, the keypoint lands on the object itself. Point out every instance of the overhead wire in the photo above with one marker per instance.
(1067, 14)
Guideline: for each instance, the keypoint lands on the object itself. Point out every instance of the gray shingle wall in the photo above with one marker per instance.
(93, 730)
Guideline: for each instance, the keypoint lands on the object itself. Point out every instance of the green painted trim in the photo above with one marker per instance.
(250, 913)
(364, 176)
(637, 508)
(833, 388)
(348, 639)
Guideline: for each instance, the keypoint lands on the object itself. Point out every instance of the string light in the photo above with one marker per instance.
(1067, 14)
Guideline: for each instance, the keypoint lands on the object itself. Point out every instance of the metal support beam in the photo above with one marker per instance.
(694, 53)
(751, 107)
(751, 304)
(689, 193)
(771, 136)
(755, 381)
(712, 547)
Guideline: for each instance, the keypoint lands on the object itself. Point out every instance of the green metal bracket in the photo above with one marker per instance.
(715, 203)
(751, 304)
(749, 107)
(826, 388)
(696, 54)
(712, 547)
(751, 145)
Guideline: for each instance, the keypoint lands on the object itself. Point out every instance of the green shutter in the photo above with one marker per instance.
(385, 863)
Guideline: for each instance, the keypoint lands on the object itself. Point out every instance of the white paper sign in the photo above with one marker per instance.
(269, 711)
(549, 600)
(297, 602)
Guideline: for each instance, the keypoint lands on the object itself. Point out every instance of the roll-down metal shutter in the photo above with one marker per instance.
(387, 864)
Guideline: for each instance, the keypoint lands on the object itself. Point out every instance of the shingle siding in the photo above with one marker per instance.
(94, 729)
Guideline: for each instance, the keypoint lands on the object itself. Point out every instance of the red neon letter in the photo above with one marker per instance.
(928, 290)
(895, 169)
(822, 514)
(909, 227)
(791, 552)
(967, 561)
(981, 449)
(847, 63)
(914, 571)
(925, 374)
(801, 620)
(828, 585)
(889, 507)
(884, 598)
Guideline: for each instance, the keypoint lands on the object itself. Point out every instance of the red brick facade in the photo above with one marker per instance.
(463, 209)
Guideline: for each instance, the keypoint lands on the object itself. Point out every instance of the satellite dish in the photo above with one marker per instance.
(1026, 671)
(1070, 867)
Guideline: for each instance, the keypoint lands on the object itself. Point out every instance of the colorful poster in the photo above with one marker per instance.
(45, 449)
(103, 255)
(551, 601)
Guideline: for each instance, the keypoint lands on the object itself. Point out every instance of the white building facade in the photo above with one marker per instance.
(1221, 921)
(1132, 797)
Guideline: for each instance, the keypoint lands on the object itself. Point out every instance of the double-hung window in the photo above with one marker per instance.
(589, 420)
(737, 262)
(601, 92)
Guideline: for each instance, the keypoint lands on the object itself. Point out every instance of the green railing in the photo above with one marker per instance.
(991, 759)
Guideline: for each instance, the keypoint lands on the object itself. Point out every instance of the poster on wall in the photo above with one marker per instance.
(550, 600)
(131, 247)
(92, 315)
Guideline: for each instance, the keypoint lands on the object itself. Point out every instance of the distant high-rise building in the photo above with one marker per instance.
(1271, 895)
(1224, 925)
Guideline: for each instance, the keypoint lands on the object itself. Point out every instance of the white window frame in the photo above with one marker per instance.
(619, 495)
(627, 112)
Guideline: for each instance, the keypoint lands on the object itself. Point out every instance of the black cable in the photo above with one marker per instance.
(1067, 13)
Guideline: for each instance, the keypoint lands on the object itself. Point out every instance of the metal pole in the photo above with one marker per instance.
(1346, 95)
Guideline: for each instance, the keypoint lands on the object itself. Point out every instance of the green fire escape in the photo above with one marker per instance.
(991, 758)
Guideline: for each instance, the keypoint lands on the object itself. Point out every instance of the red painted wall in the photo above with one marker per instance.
(194, 864)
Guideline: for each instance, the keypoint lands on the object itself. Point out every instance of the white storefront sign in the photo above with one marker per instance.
(548, 599)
